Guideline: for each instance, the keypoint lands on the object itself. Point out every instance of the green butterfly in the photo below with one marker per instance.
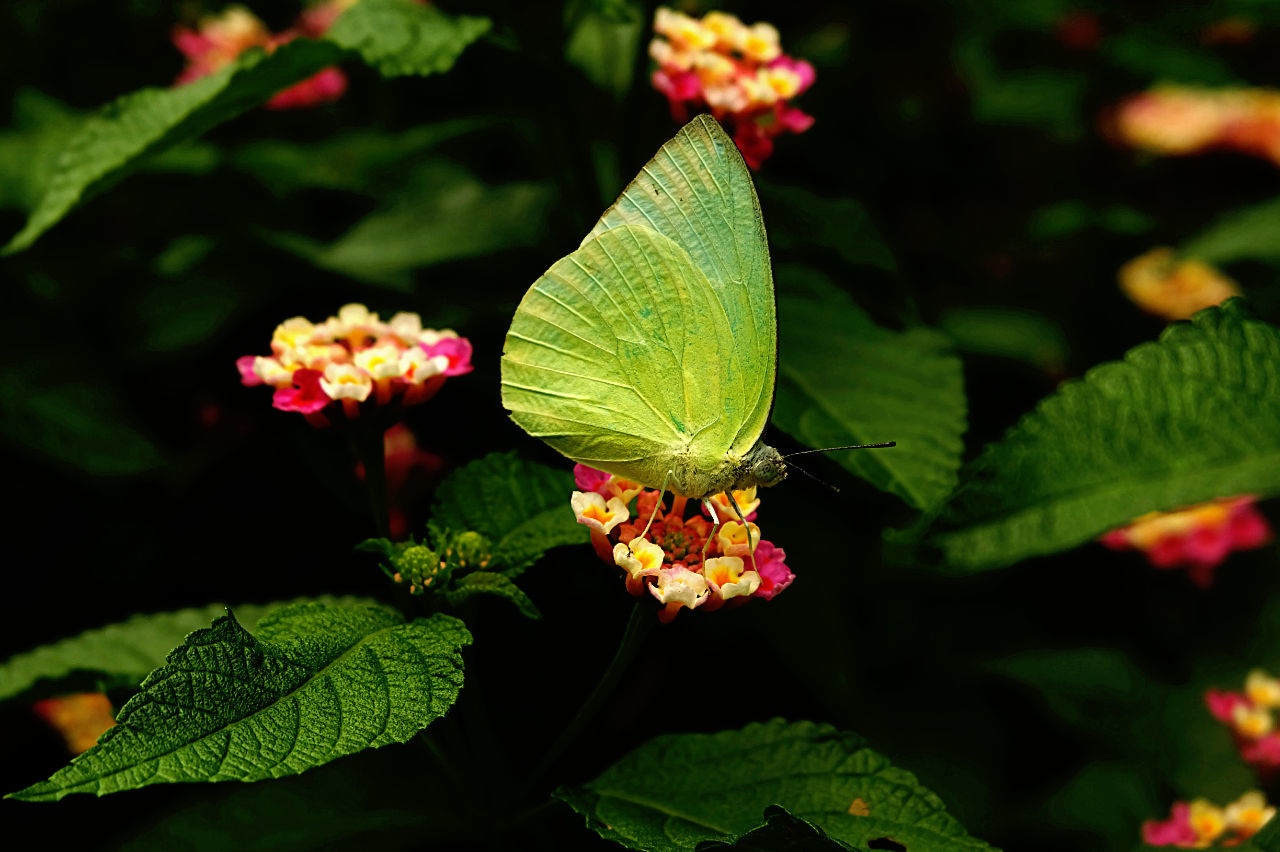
(650, 352)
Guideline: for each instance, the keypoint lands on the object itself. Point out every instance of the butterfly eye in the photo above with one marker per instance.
(766, 471)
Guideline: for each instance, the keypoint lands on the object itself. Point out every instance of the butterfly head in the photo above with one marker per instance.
(766, 466)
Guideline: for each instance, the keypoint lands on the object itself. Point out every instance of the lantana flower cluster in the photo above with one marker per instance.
(685, 561)
(218, 39)
(1251, 715)
(1199, 824)
(1183, 120)
(1198, 538)
(1173, 287)
(353, 361)
(737, 72)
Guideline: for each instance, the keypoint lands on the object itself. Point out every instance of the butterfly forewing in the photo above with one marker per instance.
(614, 356)
(697, 191)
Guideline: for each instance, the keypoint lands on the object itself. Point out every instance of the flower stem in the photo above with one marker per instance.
(371, 451)
(638, 626)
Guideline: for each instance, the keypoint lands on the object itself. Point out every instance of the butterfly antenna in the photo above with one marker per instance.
(849, 447)
(814, 478)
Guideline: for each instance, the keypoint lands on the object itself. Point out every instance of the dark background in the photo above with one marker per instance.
(174, 486)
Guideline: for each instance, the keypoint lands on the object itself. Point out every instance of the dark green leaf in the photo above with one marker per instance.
(803, 221)
(679, 790)
(1007, 333)
(318, 682)
(1189, 418)
(56, 410)
(491, 583)
(844, 380)
(122, 654)
(604, 41)
(402, 38)
(451, 216)
(1251, 233)
(521, 506)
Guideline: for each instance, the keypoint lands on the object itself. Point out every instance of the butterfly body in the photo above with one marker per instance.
(650, 351)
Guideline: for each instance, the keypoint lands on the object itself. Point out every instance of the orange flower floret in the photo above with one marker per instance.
(1174, 288)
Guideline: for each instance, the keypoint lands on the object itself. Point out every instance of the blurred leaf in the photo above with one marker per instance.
(656, 797)
(357, 804)
(1192, 417)
(1251, 233)
(521, 506)
(317, 683)
(1267, 840)
(1051, 98)
(122, 654)
(396, 36)
(184, 312)
(402, 38)
(1007, 333)
(1151, 56)
(1069, 218)
(844, 380)
(495, 584)
(363, 161)
(77, 421)
(604, 40)
(450, 215)
(781, 832)
(29, 150)
(801, 220)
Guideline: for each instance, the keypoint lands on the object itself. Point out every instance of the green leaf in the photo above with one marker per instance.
(1189, 418)
(318, 682)
(450, 216)
(55, 409)
(521, 506)
(803, 221)
(1018, 335)
(844, 380)
(1267, 840)
(781, 832)
(397, 37)
(1251, 233)
(121, 654)
(402, 38)
(114, 142)
(604, 41)
(679, 790)
(491, 583)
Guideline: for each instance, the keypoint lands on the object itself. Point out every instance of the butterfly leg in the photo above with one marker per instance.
(661, 491)
(751, 542)
(715, 526)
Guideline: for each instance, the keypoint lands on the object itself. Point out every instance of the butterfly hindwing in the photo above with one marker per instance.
(697, 191)
(615, 356)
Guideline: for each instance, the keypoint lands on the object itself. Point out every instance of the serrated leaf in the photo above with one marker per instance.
(781, 832)
(402, 38)
(679, 790)
(122, 654)
(1191, 417)
(397, 37)
(521, 506)
(492, 583)
(1250, 233)
(318, 682)
(844, 380)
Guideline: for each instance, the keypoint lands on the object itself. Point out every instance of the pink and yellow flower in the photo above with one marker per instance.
(1250, 715)
(678, 538)
(1184, 120)
(218, 40)
(1198, 538)
(1200, 823)
(737, 72)
(356, 359)
(1174, 288)
(80, 718)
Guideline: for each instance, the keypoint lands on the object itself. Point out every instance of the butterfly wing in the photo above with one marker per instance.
(615, 356)
(697, 191)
